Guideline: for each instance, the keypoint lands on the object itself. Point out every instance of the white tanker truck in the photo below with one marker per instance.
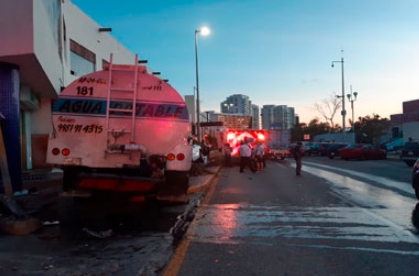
(122, 131)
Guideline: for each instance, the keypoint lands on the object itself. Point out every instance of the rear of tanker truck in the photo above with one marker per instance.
(123, 131)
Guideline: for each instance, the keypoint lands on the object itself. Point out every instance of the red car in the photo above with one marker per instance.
(362, 152)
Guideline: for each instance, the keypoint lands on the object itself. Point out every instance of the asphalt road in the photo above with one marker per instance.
(339, 218)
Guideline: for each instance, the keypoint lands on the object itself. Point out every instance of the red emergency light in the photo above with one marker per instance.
(231, 136)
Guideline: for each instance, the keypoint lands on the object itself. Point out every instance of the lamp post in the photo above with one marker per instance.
(352, 99)
(342, 96)
(202, 31)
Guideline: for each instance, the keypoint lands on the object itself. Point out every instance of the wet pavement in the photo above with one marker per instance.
(339, 218)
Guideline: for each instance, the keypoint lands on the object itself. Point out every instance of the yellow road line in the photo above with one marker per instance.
(177, 259)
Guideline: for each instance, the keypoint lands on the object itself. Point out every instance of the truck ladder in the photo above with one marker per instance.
(111, 90)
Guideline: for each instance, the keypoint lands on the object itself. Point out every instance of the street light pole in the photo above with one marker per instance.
(203, 31)
(342, 96)
(352, 98)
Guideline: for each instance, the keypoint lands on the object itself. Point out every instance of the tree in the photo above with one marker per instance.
(315, 127)
(369, 129)
(297, 132)
(328, 108)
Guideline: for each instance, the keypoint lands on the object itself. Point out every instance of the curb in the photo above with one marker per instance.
(205, 183)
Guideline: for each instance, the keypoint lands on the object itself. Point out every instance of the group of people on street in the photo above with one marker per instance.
(254, 158)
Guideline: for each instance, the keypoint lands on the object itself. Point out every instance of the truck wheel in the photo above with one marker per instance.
(70, 177)
(174, 188)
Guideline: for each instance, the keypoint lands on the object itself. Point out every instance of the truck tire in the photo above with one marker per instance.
(70, 177)
(174, 188)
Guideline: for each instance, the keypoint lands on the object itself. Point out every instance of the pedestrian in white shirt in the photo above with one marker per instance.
(245, 155)
(258, 151)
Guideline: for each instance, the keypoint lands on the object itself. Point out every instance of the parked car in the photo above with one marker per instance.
(332, 150)
(315, 149)
(362, 152)
(415, 178)
(410, 153)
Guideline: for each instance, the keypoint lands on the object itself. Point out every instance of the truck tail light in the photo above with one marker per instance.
(65, 152)
(55, 151)
(171, 157)
(180, 156)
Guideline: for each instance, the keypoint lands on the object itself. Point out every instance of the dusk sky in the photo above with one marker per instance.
(276, 51)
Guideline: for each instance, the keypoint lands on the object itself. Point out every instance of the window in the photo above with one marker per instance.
(82, 60)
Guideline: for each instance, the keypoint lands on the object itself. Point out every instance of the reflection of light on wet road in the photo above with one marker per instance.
(372, 178)
(367, 213)
(289, 221)
(226, 219)
(386, 203)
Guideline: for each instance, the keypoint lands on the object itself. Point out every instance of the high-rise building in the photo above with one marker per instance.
(278, 117)
(237, 104)
(255, 117)
(267, 116)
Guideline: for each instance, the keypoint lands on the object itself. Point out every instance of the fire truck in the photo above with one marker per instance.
(276, 141)
(122, 131)
(234, 136)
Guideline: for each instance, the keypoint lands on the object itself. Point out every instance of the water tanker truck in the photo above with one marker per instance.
(122, 131)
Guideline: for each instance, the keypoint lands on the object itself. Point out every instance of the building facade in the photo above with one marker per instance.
(255, 116)
(46, 44)
(241, 105)
(278, 117)
(237, 104)
(410, 114)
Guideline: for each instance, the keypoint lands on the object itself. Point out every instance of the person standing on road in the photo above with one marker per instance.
(227, 154)
(205, 149)
(258, 151)
(245, 155)
(262, 144)
(298, 156)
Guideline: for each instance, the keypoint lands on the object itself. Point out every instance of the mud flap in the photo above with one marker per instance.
(174, 188)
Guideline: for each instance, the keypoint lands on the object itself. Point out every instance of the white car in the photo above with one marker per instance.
(196, 154)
